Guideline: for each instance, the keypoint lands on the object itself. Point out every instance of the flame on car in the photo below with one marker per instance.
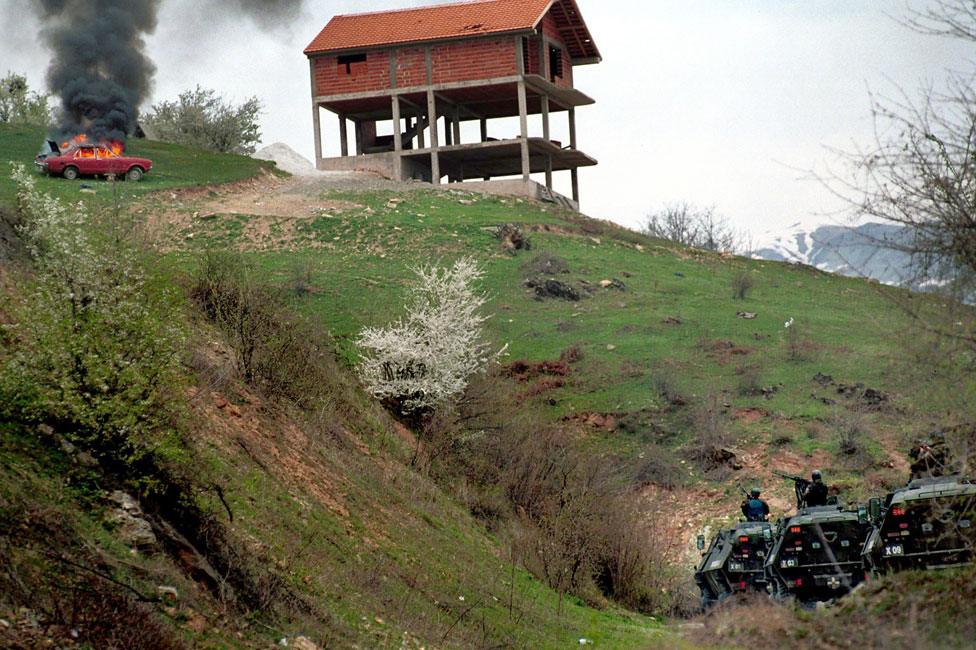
(115, 146)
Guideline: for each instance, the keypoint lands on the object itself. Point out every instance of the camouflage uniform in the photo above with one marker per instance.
(930, 459)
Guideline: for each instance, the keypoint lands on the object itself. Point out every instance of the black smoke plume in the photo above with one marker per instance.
(270, 12)
(100, 69)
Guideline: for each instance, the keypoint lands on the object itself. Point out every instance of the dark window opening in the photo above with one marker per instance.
(555, 63)
(349, 63)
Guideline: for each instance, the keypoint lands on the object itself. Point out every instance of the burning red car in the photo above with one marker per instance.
(79, 158)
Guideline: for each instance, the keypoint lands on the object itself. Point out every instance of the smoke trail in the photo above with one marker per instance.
(100, 69)
(271, 12)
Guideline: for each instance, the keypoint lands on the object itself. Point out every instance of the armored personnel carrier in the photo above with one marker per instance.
(816, 554)
(733, 562)
(928, 524)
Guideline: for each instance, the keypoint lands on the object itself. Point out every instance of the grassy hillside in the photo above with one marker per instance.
(329, 529)
(671, 335)
(173, 167)
(273, 519)
(357, 550)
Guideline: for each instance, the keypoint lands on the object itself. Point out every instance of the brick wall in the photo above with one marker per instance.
(482, 58)
(332, 79)
(533, 64)
(550, 30)
(411, 68)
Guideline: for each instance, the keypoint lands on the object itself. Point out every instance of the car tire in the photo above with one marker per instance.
(135, 174)
(70, 173)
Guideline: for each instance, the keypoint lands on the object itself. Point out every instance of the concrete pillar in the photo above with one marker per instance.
(343, 136)
(316, 117)
(397, 139)
(317, 130)
(520, 55)
(484, 130)
(448, 130)
(572, 128)
(456, 119)
(359, 136)
(572, 144)
(546, 135)
(545, 118)
(435, 161)
(421, 132)
(524, 119)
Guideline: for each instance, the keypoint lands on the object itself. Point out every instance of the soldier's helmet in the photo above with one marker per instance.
(755, 493)
(817, 476)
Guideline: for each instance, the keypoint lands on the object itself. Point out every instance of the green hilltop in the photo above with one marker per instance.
(656, 367)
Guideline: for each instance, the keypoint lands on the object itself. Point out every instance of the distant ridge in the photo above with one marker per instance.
(870, 250)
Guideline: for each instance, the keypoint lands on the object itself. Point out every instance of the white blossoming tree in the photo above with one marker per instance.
(427, 357)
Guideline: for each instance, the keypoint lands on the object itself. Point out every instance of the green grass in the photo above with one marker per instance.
(403, 563)
(174, 167)
(361, 260)
(405, 553)
(848, 327)
(405, 557)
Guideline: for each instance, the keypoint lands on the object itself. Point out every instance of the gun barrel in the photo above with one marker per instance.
(791, 477)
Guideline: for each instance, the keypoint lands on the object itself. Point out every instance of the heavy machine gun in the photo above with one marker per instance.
(800, 485)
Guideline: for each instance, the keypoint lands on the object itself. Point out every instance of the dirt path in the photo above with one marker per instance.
(274, 208)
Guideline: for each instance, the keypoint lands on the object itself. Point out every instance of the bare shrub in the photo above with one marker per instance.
(711, 427)
(666, 386)
(574, 521)
(696, 227)
(742, 284)
(300, 277)
(749, 382)
(850, 427)
(276, 350)
(798, 348)
(635, 564)
(572, 354)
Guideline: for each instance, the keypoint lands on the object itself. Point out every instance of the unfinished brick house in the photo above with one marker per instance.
(430, 69)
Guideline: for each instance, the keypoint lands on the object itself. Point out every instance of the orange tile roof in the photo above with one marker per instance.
(438, 22)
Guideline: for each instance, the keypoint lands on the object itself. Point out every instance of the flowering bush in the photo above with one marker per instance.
(427, 357)
(95, 346)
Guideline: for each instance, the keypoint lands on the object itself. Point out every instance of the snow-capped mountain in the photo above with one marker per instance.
(869, 250)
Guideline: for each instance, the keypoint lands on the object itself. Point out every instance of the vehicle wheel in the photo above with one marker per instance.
(135, 174)
(70, 173)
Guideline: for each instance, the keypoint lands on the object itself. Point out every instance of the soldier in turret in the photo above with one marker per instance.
(754, 508)
(930, 459)
(815, 492)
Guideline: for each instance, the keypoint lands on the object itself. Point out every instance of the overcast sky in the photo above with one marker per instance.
(717, 102)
